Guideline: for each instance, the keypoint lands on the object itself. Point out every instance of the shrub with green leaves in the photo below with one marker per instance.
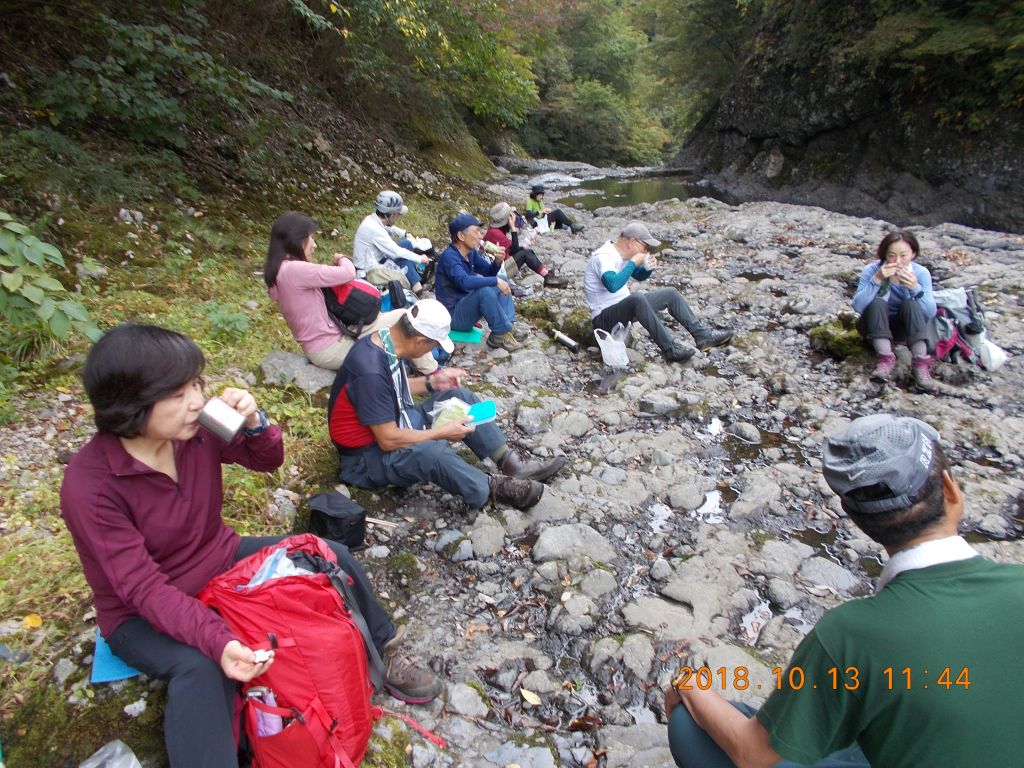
(37, 307)
(140, 81)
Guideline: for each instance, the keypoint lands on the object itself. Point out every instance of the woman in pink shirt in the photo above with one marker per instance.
(295, 284)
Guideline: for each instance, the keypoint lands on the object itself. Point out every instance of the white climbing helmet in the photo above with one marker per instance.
(390, 202)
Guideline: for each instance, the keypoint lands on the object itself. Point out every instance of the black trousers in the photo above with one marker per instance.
(909, 324)
(528, 257)
(199, 719)
(644, 308)
(556, 219)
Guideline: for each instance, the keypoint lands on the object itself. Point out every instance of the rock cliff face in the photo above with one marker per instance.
(838, 133)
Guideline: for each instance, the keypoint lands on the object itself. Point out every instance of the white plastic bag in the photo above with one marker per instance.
(542, 224)
(613, 346)
(113, 754)
(991, 355)
(448, 410)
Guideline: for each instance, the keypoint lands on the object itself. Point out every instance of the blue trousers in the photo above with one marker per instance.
(432, 461)
(413, 269)
(693, 748)
(489, 303)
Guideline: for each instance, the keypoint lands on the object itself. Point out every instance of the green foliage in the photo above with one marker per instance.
(604, 46)
(226, 323)
(965, 59)
(36, 306)
(386, 47)
(140, 82)
(594, 90)
(695, 49)
(593, 115)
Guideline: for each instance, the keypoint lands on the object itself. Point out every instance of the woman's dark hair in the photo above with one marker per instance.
(287, 236)
(897, 527)
(895, 237)
(133, 367)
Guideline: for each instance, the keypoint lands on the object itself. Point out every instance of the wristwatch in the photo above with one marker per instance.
(258, 429)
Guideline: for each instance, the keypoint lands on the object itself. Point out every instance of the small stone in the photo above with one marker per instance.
(463, 552)
(136, 708)
(562, 541)
(466, 701)
(818, 571)
(661, 570)
(62, 670)
(598, 582)
(638, 655)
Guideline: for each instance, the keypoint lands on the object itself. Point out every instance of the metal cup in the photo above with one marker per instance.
(221, 419)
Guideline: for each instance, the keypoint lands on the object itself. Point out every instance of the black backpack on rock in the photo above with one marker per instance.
(352, 306)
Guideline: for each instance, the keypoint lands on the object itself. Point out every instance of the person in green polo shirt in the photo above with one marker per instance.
(924, 672)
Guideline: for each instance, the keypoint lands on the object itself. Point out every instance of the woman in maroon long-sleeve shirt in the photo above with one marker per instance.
(142, 500)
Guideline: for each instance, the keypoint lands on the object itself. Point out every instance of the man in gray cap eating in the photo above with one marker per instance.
(924, 672)
(605, 284)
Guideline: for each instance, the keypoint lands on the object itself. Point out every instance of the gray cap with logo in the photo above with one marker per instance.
(894, 452)
(639, 231)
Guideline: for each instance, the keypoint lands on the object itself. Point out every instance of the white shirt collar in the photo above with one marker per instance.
(924, 555)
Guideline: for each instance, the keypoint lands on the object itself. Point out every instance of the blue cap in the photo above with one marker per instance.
(461, 222)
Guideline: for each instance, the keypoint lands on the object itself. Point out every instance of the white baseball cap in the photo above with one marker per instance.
(429, 317)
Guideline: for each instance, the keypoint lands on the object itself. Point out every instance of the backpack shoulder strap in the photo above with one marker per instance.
(339, 579)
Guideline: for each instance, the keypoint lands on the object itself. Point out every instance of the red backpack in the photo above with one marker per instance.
(320, 676)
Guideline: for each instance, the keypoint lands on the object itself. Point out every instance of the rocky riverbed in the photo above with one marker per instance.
(692, 522)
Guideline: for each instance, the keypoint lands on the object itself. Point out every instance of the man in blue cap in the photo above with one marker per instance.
(469, 286)
(924, 672)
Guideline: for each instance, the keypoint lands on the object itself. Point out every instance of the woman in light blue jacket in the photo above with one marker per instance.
(895, 300)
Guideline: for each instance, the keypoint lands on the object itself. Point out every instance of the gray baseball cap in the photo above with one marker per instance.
(639, 230)
(882, 449)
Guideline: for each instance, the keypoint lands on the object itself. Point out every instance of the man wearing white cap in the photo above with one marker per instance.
(923, 673)
(605, 284)
(385, 438)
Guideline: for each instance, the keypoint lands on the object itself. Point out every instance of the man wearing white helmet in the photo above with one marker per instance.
(376, 255)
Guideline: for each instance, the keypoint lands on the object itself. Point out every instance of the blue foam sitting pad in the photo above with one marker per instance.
(472, 336)
(106, 667)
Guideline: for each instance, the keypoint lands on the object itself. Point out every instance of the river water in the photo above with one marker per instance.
(618, 191)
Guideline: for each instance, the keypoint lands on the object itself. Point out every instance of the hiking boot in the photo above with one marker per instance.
(576, 228)
(405, 679)
(503, 341)
(519, 333)
(518, 492)
(922, 369)
(679, 352)
(709, 339)
(884, 367)
(552, 280)
(516, 465)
